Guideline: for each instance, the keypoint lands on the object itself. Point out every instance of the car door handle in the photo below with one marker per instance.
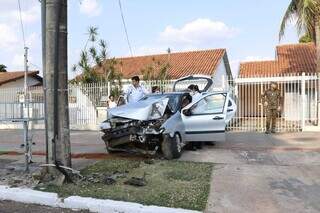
(217, 118)
(229, 110)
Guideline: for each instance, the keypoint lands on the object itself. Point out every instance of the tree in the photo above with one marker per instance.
(156, 70)
(3, 68)
(96, 57)
(307, 16)
(92, 61)
(305, 39)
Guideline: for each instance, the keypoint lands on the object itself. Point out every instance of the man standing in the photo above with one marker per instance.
(272, 101)
(135, 91)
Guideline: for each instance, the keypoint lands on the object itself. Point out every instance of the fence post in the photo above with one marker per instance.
(108, 89)
(317, 98)
(261, 105)
(303, 102)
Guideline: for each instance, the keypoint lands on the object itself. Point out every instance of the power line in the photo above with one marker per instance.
(22, 30)
(125, 27)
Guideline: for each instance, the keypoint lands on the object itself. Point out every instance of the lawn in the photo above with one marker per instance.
(169, 183)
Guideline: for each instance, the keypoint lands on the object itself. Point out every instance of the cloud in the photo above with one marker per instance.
(201, 33)
(90, 8)
(8, 36)
(30, 13)
(11, 43)
(198, 32)
(18, 61)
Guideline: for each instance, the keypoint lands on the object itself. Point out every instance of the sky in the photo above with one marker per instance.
(248, 29)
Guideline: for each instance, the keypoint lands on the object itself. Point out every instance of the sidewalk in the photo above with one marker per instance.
(263, 173)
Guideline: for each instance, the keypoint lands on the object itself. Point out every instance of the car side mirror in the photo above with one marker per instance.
(186, 112)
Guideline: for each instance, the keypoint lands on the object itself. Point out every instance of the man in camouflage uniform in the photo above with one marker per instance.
(272, 101)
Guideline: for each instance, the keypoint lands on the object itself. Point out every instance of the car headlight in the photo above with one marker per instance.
(105, 125)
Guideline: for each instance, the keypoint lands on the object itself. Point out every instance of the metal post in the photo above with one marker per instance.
(303, 102)
(26, 106)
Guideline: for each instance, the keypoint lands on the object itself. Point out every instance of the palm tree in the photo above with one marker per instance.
(3, 68)
(307, 16)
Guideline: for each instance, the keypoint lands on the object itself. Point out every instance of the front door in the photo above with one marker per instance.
(206, 119)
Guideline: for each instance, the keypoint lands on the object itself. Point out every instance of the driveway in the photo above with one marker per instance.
(263, 173)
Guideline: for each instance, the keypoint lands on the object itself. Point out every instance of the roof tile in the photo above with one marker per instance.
(181, 64)
(291, 59)
(6, 77)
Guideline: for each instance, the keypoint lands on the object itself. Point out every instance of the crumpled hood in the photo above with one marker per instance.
(142, 110)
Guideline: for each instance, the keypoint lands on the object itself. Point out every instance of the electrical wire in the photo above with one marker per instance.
(21, 23)
(125, 28)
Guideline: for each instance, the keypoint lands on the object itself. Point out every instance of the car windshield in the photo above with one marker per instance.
(182, 86)
(173, 100)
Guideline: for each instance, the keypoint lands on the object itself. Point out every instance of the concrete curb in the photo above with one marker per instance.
(30, 196)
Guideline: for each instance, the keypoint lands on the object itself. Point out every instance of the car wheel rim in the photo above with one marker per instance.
(178, 142)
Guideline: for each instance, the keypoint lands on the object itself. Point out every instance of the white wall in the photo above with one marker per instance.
(20, 83)
(220, 77)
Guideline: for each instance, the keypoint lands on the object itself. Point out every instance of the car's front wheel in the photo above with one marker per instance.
(172, 146)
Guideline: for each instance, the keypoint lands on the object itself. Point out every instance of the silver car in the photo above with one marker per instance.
(169, 121)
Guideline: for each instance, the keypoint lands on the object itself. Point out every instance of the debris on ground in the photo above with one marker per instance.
(136, 181)
(149, 161)
(112, 179)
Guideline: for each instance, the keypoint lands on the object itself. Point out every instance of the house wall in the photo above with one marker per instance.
(220, 77)
(20, 83)
(250, 101)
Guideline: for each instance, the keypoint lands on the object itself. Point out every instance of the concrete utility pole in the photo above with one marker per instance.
(56, 82)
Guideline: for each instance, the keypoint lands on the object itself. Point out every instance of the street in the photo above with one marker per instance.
(254, 172)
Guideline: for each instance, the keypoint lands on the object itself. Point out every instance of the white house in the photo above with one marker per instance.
(16, 79)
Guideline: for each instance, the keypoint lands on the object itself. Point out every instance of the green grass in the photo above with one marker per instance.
(169, 183)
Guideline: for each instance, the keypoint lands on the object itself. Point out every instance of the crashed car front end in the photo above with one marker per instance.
(135, 126)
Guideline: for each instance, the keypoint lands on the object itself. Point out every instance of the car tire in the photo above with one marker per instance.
(171, 146)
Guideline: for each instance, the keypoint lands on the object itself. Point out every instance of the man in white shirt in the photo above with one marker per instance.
(135, 91)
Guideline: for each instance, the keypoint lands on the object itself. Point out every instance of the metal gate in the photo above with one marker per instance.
(298, 111)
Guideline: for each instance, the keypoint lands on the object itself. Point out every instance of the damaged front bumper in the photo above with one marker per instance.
(133, 136)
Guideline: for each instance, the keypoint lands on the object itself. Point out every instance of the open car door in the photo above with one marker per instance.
(205, 120)
(204, 83)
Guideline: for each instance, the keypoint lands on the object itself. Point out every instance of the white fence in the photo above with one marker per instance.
(87, 102)
(299, 108)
